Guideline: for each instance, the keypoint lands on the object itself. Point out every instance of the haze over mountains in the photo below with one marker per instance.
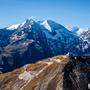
(32, 40)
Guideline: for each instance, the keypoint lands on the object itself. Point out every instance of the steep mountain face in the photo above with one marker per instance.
(5, 37)
(73, 29)
(57, 73)
(84, 35)
(33, 40)
(77, 30)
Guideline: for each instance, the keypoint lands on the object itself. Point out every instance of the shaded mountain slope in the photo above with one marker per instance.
(32, 40)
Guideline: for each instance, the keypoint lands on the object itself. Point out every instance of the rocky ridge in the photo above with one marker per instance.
(57, 73)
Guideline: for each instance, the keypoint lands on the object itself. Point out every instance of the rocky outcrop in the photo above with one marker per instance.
(57, 73)
(77, 74)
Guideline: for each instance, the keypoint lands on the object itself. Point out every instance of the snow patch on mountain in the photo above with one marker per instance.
(46, 25)
(81, 30)
(77, 30)
(26, 24)
(12, 27)
(72, 28)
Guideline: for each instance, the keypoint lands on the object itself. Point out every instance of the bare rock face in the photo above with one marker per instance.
(77, 74)
(57, 73)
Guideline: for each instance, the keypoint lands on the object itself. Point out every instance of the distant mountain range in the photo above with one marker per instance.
(33, 40)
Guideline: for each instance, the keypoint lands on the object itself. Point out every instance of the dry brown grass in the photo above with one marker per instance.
(48, 75)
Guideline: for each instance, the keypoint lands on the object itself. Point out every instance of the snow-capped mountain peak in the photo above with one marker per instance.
(25, 24)
(72, 28)
(12, 27)
(33, 40)
(46, 25)
(77, 30)
(81, 30)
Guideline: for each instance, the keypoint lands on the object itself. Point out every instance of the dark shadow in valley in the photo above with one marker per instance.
(16, 60)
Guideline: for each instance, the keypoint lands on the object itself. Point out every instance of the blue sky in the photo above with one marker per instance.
(66, 12)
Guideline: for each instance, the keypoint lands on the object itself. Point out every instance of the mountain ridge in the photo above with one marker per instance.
(33, 40)
(56, 73)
